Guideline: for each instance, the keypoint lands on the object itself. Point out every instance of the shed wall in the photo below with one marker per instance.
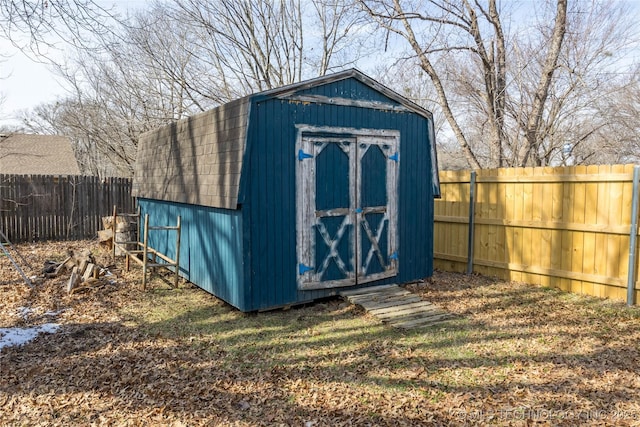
(211, 253)
(269, 192)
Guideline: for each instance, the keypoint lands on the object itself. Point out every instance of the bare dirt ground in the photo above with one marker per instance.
(513, 355)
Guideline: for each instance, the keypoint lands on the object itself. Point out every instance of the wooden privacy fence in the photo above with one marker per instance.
(47, 207)
(567, 227)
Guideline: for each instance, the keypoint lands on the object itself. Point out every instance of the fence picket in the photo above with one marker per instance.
(47, 207)
(565, 227)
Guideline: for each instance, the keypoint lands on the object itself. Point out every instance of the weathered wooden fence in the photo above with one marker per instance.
(568, 228)
(44, 207)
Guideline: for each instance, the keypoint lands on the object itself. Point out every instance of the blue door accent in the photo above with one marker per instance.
(303, 269)
(302, 155)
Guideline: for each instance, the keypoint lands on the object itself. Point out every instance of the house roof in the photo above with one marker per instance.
(198, 160)
(28, 154)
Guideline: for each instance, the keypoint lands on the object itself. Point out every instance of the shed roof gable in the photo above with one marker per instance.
(365, 90)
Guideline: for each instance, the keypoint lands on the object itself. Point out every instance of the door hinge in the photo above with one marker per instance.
(304, 268)
(302, 155)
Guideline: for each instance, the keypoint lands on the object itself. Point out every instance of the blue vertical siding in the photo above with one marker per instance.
(269, 189)
(374, 178)
(349, 89)
(211, 251)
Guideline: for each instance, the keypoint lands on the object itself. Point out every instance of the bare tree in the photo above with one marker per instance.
(548, 91)
(341, 43)
(57, 118)
(119, 93)
(405, 77)
(625, 132)
(541, 93)
(38, 26)
(589, 82)
(174, 59)
(612, 133)
(251, 46)
(470, 36)
(101, 147)
(449, 27)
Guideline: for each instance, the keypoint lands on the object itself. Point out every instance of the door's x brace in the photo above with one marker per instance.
(333, 246)
(375, 248)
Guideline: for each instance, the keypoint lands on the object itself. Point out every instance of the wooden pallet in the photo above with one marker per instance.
(396, 306)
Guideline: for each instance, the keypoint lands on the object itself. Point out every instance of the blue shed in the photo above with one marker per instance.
(295, 193)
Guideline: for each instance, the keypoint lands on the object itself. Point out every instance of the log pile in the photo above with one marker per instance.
(83, 268)
(124, 229)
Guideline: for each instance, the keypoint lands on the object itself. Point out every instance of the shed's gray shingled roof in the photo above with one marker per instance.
(28, 154)
(198, 160)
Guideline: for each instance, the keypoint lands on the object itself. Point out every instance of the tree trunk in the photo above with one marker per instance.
(532, 135)
(426, 65)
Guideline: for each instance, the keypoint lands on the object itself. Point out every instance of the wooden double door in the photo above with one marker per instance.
(347, 201)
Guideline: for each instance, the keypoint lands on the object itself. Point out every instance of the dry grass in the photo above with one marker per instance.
(514, 355)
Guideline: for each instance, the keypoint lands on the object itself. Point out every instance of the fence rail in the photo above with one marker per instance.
(561, 227)
(48, 207)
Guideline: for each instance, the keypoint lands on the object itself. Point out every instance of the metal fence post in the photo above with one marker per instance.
(472, 210)
(633, 234)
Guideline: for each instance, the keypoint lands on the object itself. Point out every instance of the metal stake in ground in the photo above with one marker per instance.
(6, 242)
